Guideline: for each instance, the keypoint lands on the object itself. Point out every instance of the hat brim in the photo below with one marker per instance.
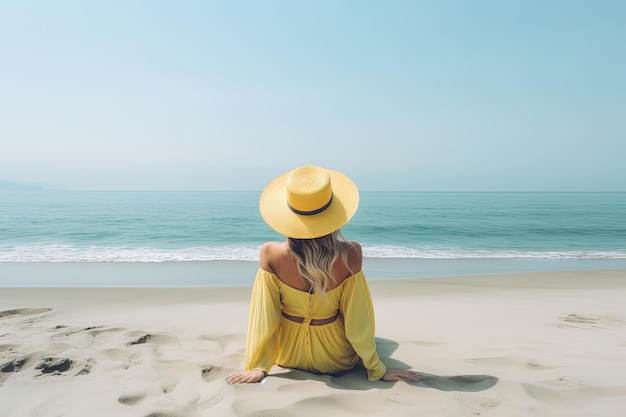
(277, 214)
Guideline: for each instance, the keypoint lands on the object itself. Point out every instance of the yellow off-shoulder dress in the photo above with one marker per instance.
(329, 348)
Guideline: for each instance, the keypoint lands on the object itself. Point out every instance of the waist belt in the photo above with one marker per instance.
(314, 322)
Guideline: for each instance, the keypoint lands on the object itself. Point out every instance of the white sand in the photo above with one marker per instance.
(532, 344)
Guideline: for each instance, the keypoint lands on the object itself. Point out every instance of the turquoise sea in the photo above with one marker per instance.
(457, 232)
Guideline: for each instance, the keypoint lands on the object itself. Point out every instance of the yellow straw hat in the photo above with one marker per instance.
(309, 202)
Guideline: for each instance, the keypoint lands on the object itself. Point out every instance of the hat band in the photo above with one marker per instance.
(312, 212)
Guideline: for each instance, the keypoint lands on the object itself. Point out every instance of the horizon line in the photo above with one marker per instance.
(42, 189)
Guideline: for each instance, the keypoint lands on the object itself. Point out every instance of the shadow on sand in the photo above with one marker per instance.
(356, 379)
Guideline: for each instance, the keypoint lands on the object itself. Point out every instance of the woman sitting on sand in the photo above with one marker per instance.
(311, 308)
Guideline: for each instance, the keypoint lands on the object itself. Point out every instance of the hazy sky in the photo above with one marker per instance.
(400, 95)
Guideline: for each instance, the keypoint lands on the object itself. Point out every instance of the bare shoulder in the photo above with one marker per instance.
(355, 257)
(270, 253)
(356, 246)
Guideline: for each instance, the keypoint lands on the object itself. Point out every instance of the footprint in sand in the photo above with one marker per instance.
(211, 373)
(54, 365)
(23, 312)
(131, 400)
(140, 340)
(14, 365)
(158, 339)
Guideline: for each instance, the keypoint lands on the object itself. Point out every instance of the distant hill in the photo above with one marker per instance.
(15, 186)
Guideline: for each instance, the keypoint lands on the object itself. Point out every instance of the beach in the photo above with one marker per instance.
(514, 344)
(152, 150)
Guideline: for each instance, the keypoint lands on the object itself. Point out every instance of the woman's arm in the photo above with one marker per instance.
(262, 325)
(358, 311)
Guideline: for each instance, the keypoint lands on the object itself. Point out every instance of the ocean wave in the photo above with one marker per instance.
(454, 253)
(71, 253)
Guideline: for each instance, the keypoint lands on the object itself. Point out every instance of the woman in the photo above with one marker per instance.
(311, 308)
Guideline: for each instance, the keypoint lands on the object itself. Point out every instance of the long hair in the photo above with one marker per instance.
(315, 259)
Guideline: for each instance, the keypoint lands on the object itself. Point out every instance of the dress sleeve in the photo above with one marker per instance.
(358, 312)
(263, 322)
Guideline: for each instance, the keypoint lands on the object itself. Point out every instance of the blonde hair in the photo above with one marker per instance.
(315, 259)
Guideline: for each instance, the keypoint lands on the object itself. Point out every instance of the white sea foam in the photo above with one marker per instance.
(70, 253)
(385, 251)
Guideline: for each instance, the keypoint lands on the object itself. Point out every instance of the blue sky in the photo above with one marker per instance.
(400, 95)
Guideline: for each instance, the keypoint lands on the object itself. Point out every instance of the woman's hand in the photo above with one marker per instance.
(246, 377)
(393, 375)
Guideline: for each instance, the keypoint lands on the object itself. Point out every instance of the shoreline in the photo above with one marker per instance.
(226, 273)
(520, 344)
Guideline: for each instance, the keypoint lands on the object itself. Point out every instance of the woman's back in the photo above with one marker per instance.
(276, 257)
